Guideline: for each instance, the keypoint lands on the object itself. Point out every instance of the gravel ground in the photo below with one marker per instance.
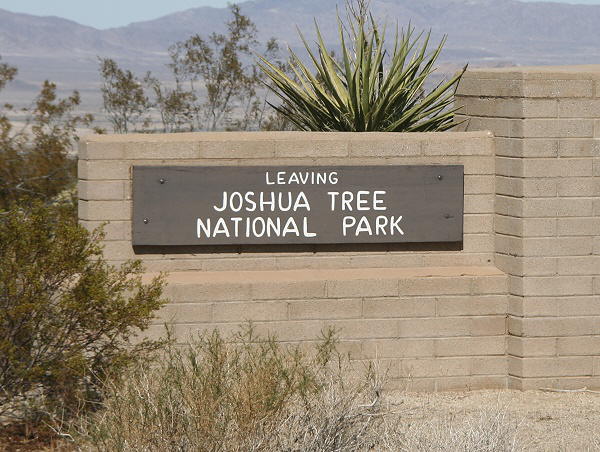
(545, 421)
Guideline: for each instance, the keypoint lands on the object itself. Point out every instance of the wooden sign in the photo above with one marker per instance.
(199, 205)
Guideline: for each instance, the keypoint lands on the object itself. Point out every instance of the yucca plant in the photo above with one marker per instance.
(366, 90)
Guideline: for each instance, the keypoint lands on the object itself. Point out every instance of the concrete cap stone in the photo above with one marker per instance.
(578, 72)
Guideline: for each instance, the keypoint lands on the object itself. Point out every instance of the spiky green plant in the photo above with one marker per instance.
(365, 91)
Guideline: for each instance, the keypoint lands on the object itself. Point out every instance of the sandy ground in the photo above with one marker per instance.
(545, 421)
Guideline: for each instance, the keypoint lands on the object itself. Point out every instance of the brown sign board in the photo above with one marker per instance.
(252, 205)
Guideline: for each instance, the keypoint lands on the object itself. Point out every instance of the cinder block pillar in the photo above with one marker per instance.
(547, 215)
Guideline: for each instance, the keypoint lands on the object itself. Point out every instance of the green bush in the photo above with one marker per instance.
(365, 91)
(66, 315)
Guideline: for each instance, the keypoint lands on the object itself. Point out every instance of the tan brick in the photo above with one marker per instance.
(500, 127)
(578, 226)
(511, 265)
(436, 327)
(510, 167)
(485, 88)
(325, 309)
(508, 245)
(488, 325)
(476, 224)
(90, 150)
(489, 285)
(118, 250)
(539, 227)
(365, 328)
(312, 148)
(510, 226)
(472, 305)
(435, 286)
(246, 149)
(113, 230)
(489, 365)
(103, 170)
(539, 266)
(578, 346)
(575, 207)
(557, 246)
(543, 167)
(582, 186)
(557, 367)
(373, 147)
(467, 346)
(104, 210)
(473, 146)
(578, 306)
(478, 243)
(509, 206)
(554, 128)
(478, 382)
(582, 265)
(541, 207)
(251, 311)
(539, 188)
(577, 147)
(185, 313)
(514, 326)
(101, 190)
(557, 88)
(399, 307)
(579, 108)
(560, 326)
(398, 348)
(438, 367)
(362, 288)
(527, 347)
(538, 306)
(478, 204)
(293, 331)
(557, 285)
(532, 147)
(180, 293)
(477, 185)
(509, 186)
(286, 290)
(575, 167)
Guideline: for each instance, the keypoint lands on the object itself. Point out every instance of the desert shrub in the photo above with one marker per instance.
(239, 394)
(66, 315)
(372, 87)
(35, 160)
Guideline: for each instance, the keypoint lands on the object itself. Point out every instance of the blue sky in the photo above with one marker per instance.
(114, 13)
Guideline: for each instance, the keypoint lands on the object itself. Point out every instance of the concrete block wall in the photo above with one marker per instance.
(431, 328)
(435, 316)
(517, 304)
(547, 126)
(105, 192)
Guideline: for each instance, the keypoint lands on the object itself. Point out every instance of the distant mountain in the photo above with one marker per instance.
(481, 32)
(522, 32)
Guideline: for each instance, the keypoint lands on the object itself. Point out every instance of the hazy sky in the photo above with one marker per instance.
(114, 13)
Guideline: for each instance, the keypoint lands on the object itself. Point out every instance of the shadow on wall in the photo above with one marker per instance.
(285, 248)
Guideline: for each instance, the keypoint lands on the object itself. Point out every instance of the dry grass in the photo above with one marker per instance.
(251, 394)
(245, 394)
